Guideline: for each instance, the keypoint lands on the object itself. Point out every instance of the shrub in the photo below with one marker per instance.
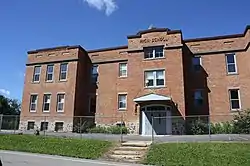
(118, 129)
(241, 122)
(97, 129)
(111, 130)
(222, 128)
(197, 127)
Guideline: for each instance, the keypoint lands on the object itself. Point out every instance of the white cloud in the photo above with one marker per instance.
(5, 92)
(108, 5)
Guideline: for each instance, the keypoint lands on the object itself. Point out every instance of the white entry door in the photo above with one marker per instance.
(156, 120)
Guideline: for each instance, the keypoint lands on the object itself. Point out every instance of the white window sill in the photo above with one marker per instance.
(33, 111)
(148, 59)
(64, 80)
(123, 76)
(122, 109)
(49, 81)
(61, 111)
(235, 110)
(154, 87)
(46, 111)
(234, 73)
(35, 82)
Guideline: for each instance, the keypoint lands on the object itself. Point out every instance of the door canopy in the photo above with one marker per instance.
(152, 97)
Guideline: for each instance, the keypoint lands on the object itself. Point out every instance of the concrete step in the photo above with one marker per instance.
(137, 143)
(124, 152)
(125, 157)
(131, 161)
(132, 148)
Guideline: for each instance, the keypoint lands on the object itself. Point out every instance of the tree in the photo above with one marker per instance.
(9, 106)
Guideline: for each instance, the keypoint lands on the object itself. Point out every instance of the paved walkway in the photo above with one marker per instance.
(10, 158)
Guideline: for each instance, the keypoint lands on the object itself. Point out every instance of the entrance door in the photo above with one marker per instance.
(156, 120)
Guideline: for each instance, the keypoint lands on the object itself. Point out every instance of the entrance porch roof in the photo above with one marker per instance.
(152, 97)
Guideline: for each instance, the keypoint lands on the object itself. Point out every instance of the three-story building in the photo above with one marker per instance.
(157, 74)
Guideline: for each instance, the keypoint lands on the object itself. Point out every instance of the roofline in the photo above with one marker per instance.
(56, 48)
(219, 37)
(108, 49)
(138, 35)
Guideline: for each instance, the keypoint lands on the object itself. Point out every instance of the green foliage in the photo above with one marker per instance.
(222, 128)
(197, 127)
(111, 130)
(89, 149)
(239, 125)
(241, 122)
(9, 106)
(97, 129)
(199, 154)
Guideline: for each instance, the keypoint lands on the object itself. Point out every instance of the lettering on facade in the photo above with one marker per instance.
(154, 40)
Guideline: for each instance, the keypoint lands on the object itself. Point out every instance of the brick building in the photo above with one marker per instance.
(157, 74)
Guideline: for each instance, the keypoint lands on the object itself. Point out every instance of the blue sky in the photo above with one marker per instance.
(29, 24)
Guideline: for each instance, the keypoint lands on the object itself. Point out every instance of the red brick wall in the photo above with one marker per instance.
(51, 87)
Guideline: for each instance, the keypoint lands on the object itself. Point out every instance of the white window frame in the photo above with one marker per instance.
(198, 98)
(235, 64)
(63, 72)
(154, 80)
(52, 73)
(126, 96)
(46, 102)
(57, 101)
(34, 73)
(200, 63)
(120, 69)
(33, 94)
(153, 48)
(230, 99)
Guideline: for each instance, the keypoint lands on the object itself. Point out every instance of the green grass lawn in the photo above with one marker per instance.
(81, 148)
(199, 154)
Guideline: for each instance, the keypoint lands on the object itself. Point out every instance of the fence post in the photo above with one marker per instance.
(121, 127)
(80, 127)
(15, 123)
(152, 127)
(44, 128)
(1, 121)
(209, 128)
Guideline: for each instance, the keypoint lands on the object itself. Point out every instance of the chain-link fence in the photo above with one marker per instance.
(200, 128)
(148, 128)
(92, 127)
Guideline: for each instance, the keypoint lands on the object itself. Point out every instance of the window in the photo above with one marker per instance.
(155, 78)
(46, 102)
(63, 71)
(122, 101)
(37, 72)
(196, 63)
(31, 126)
(92, 104)
(234, 95)
(153, 52)
(60, 102)
(44, 126)
(50, 73)
(33, 103)
(59, 126)
(123, 70)
(198, 97)
(231, 63)
(94, 74)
